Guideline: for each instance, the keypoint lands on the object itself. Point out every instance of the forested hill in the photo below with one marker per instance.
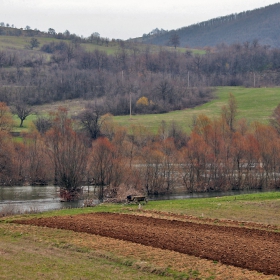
(262, 24)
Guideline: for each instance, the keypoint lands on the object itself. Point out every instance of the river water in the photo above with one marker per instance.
(20, 199)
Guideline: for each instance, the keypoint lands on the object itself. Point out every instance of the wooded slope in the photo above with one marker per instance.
(262, 24)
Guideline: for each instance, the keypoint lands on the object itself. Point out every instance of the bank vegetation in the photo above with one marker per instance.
(219, 154)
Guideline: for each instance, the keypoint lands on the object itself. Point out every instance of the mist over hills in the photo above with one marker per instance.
(262, 24)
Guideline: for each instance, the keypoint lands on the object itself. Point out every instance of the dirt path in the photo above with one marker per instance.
(248, 248)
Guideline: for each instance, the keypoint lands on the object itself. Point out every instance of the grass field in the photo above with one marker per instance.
(43, 253)
(46, 254)
(257, 207)
(254, 104)
(21, 42)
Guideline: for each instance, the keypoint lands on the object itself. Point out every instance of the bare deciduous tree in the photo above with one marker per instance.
(174, 40)
(68, 153)
(101, 164)
(42, 124)
(91, 122)
(275, 118)
(6, 118)
(229, 112)
(22, 110)
(33, 43)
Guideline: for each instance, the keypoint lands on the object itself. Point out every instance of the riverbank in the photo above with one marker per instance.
(261, 207)
(35, 199)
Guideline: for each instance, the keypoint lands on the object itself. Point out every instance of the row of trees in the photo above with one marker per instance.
(219, 154)
(75, 73)
(168, 79)
(94, 38)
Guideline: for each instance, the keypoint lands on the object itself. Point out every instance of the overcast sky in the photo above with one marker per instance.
(120, 19)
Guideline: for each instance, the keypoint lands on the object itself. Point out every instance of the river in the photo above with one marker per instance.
(20, 199)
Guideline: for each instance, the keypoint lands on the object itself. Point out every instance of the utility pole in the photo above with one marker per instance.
(130, 105)
(129, 99)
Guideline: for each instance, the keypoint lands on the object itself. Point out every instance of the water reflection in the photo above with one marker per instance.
(21, 199)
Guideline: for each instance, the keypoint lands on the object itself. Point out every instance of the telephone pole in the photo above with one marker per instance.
(130, 105)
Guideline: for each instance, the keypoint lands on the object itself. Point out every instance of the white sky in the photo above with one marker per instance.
(120, 19)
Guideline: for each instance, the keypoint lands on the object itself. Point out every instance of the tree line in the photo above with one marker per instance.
(219, 154)
(170, 80)
(94, 38)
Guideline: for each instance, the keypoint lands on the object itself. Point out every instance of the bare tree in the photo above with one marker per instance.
(43, 124)
(174, 39)
(68, 154)
(101, 164)
(275, 118)
(91, 122)
(22, 110)
(33, 43)
(51, 31)
(229, 112)
(6, 118)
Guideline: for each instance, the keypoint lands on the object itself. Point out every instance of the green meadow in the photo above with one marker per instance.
(256, 207)
(254, 104)
(21, 43)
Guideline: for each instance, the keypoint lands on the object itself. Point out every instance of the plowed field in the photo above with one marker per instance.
(253, 249)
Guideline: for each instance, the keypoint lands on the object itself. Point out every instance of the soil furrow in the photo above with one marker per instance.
(243, 247)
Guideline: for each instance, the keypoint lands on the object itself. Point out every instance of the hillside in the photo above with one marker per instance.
(254, 104)
(262, 24)
(120, 76)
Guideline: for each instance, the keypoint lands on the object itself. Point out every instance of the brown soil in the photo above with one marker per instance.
(249, 248)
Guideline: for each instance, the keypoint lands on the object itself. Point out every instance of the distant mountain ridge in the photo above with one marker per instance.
(262, 24)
